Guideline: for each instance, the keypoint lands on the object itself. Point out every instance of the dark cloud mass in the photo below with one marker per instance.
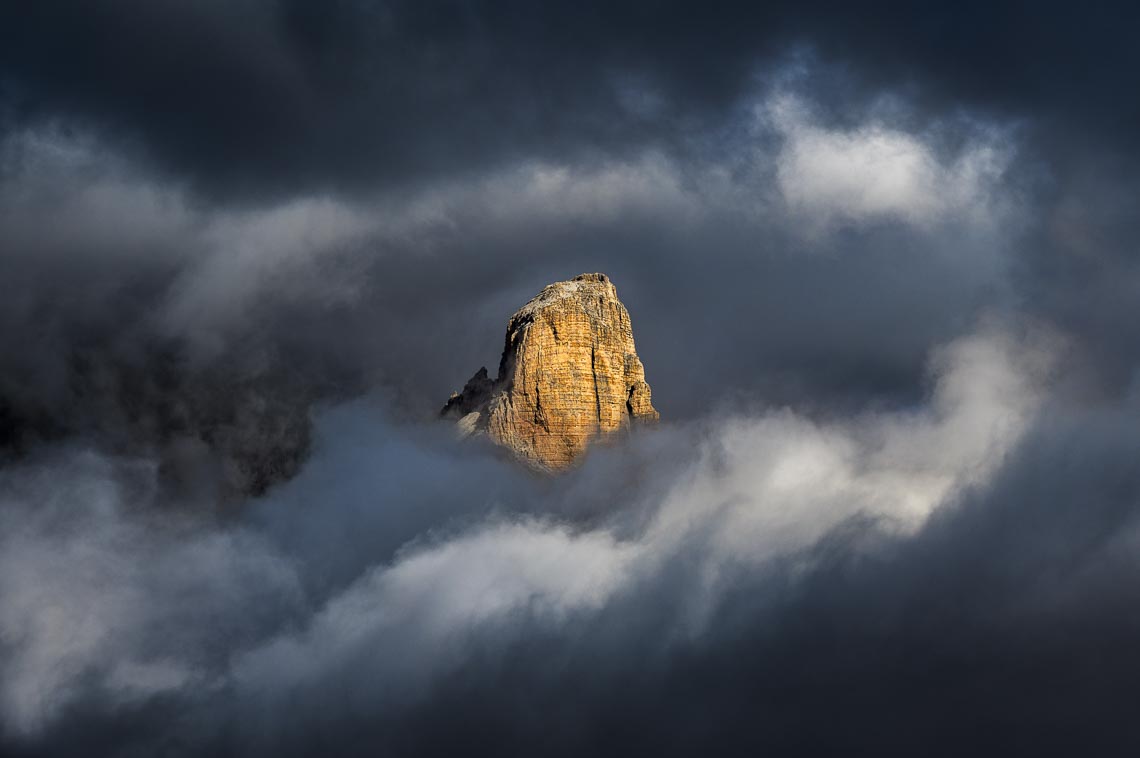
(882, 267)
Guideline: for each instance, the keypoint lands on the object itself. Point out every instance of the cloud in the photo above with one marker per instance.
(99, 594)
(881, 271)
(873, 173)
(358, 95)
(124, 269)
(406, 624)
(103, 601)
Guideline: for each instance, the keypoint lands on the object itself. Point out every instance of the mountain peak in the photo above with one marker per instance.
(569, 376)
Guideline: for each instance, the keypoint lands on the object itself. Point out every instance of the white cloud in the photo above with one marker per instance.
(779, 482)
(873, 172)
(405, 623)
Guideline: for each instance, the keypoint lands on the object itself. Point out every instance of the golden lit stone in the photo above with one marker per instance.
(569, 375)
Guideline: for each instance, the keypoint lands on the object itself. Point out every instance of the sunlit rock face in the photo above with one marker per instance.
(569, 376)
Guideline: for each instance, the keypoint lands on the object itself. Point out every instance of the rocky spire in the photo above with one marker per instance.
(569, 375)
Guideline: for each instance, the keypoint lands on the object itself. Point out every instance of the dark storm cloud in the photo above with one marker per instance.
(272, 97)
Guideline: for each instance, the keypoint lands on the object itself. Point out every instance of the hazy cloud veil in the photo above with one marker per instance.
(884, 295)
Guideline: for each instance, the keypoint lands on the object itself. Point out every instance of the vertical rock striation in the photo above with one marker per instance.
(569, 375)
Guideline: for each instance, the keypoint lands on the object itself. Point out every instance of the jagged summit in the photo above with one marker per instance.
(569, 374)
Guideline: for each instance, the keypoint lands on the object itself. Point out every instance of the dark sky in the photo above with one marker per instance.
(882, 267)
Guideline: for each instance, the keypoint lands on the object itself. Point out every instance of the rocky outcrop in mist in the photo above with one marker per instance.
(569, 376)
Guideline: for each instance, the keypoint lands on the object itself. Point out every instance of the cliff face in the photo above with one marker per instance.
(569, 375)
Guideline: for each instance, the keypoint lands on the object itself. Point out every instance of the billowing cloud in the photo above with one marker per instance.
(101, 601)
(873, 173)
